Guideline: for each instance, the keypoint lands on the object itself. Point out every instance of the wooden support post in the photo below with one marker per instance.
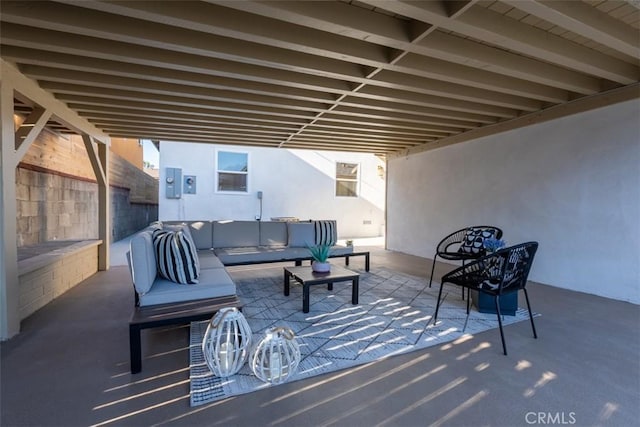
(9, 290)
(99, 157)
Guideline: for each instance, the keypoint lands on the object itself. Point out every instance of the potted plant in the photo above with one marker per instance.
(320, 258)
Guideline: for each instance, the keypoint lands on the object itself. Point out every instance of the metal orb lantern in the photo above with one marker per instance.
(276, 356)
(226, 342)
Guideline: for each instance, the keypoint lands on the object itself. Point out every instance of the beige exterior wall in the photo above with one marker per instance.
(129, 149)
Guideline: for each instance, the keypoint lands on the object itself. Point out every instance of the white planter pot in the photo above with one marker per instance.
(320, 267)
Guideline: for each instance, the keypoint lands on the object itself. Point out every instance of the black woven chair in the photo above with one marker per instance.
(464, 245)
(497, 274)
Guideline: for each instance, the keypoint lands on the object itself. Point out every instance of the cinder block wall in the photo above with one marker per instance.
(57, 194)
(128, 216)
(54, 207)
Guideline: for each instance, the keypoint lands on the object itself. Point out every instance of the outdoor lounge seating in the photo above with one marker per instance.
(229, 243)
(464, 245)
(210, 246)
(500, 273)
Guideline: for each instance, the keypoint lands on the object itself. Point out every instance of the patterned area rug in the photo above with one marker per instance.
(393, 316)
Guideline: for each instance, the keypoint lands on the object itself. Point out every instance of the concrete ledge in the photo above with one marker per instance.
(46, 276)
(28, 265)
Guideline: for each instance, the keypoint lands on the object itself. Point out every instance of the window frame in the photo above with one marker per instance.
(356, 180)
(218, 171)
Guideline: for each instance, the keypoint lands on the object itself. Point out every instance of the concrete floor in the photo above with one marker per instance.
(70, 366)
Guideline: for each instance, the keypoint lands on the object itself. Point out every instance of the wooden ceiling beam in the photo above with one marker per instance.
(236, 110)
(61, 81)
(60, 112)
(502, 62)
(101, 119)
(79, 20)
(92, 47)
(63, 61)
(444, 64)
(585, 21)
(500, 30)
(96, 112)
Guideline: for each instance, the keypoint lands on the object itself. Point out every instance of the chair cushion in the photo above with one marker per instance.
(201, 232)
(214, 283)
(208, 259)
(301, 234)
(473, 240)
(231, 234)
(273, 233)
(176, 256)
(143, 262)
(326, 232)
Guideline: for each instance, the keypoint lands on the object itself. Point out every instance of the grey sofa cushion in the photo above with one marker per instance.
(208, 259)
(301, 234)
(270, 254)
(214, 282)
(257, 254)
(201, 232)
(143, 262)
(273, 233)
(340, 250)
(230, 234)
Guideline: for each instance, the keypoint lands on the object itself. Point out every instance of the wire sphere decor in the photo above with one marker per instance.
(276, 356)
(226, 342)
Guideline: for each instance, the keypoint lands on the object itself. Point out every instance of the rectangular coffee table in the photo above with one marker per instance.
(307, 277)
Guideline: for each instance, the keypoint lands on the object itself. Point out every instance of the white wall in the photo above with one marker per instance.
(295, 183)
(572, 184)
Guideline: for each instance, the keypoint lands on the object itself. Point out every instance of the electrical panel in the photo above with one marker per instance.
(173, 179)
(189, 184)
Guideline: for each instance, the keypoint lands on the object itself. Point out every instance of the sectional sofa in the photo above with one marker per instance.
(227, 243)
(210, 246)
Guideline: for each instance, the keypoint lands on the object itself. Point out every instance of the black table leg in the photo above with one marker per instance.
(354, 291)
(305, 298)
(366, 262)
(286, 283)
(330, 286)
(135, 349)
(346, 260)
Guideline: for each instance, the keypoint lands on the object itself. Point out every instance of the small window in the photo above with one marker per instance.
(347, 179)
(233, 171)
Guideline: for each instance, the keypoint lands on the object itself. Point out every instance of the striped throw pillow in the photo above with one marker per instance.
(326, 232)
(176, 257)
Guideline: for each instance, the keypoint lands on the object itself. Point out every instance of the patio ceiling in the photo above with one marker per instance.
(372, 76)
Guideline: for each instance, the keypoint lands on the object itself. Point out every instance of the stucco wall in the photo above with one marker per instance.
(572, 184)
(295, 183)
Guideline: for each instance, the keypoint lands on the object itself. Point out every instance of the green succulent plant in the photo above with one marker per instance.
(320, 253)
